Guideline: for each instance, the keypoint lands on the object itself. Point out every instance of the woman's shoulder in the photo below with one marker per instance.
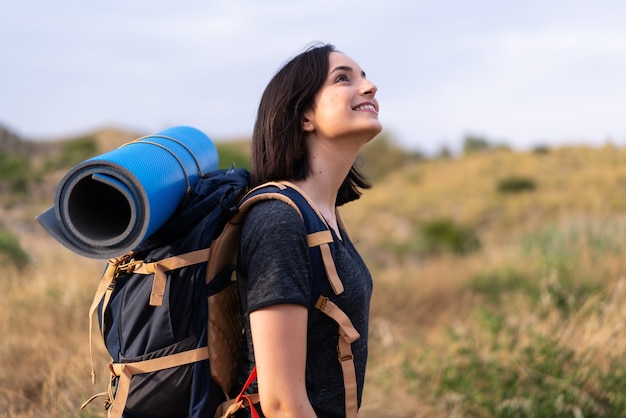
(272, 213)
(272, 229)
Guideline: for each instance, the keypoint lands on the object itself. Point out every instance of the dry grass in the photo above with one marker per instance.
(569, 231)
(44, 350)
(549, 282)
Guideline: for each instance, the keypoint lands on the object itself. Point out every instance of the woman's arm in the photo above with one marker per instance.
(279, 336)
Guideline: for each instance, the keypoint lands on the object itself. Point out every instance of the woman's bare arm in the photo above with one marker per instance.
(279, 336)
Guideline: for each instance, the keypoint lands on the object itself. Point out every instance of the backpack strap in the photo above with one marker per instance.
(228, 408)
(127, 264)
(347, 335)
(125, 371)
(322, 239)
(116, 400)
(103, 292)
(159, 268)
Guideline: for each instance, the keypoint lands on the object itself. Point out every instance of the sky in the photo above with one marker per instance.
(521, 73)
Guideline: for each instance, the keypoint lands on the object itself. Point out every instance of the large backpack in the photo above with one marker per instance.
(169, 311)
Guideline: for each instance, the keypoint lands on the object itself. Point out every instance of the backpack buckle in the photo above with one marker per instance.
(124, 264)
(344, 357)
(127, 266)
(321, 303)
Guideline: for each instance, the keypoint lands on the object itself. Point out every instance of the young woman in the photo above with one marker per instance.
(314, 116)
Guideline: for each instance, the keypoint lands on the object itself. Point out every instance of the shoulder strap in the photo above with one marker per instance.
(319, 235)
(340, 220)
(318, 231)
(225, 247)
(347, 335)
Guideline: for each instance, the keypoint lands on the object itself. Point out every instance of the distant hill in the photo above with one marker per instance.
(32, 168)
(11, 143)
(104, 139)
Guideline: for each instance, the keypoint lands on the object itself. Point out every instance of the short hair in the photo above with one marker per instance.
(278, 140)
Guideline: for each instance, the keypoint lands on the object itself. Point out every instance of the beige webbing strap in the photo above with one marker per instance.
(159, 268)
(307, 198)
(322, 239)
(347, 332)
(346, 359)
(316, 239)
(331, 270)
(126, 370)
(105, 302)
(243, 209)
(125, 263)
(224, 248)
(340, 220)
(94, 397)
(282, 185)
(228, 408)
(102, 290)
(347, 335)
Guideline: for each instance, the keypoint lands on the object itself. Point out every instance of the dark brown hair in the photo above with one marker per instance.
(278, 139)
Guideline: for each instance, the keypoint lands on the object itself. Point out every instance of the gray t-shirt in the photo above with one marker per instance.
(274, 268)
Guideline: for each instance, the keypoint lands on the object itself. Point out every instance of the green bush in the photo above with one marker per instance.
(537, 379)
(612, 386)
(14, 172)
(566, 292)
(473, 143)
(515, 185)
(230, 154)
(497, 284)
(444, 235)
(11, 250)
(541, 149)
(77, 150)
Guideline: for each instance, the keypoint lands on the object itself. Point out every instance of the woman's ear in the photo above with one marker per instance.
(307, 121)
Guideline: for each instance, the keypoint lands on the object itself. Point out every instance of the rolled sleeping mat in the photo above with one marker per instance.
(107, 205)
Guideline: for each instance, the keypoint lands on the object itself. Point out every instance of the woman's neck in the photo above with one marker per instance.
(329, 165)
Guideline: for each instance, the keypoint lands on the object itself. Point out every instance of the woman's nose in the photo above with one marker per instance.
(368, 88)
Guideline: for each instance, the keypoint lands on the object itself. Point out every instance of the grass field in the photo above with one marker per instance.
(500, 291)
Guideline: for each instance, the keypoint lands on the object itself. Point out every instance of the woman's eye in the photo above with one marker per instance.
(341, 77)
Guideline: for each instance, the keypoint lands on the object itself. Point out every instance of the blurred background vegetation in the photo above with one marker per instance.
(499, 280)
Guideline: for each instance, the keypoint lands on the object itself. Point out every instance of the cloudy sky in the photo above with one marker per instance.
(523, 73)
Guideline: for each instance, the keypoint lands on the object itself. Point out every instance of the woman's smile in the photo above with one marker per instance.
(367, 107)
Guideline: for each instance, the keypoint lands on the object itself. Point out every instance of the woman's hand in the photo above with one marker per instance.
(279, 336)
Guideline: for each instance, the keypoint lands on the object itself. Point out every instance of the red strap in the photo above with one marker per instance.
(253, 412)
(251, 379)
(242, 395)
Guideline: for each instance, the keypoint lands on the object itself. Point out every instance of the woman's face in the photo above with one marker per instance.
(345, 106)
